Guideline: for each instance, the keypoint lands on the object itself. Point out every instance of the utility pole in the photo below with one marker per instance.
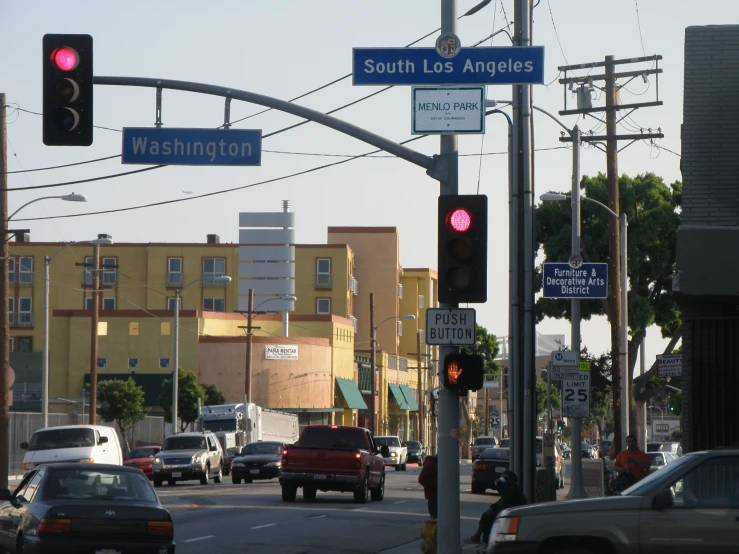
(373, 353)
(486, 413)
(618, 301)
(249, 334)
(4, 317)
(95, 318)
(421, 416)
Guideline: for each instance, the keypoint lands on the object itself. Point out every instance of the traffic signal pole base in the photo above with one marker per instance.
(448, 477)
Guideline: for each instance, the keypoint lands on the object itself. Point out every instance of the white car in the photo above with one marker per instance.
(94, 444)
(398, 454)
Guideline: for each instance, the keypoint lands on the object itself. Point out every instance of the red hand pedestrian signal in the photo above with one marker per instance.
(454, 371)
(463, 373)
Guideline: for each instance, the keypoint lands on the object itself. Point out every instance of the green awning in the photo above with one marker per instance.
(351, 394)
(398, 395)
(408, 393)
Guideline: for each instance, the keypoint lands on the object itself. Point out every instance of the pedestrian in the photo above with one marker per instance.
(510, 497)
(428, 479)
(631, 465)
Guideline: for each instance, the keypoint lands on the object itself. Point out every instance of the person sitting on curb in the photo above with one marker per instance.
(510, 497)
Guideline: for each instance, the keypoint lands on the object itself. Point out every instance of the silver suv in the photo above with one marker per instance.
(187, 457)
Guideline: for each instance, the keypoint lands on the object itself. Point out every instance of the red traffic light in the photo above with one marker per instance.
(65, 58)
(459, 220)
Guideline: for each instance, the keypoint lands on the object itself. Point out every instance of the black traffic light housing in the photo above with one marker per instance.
(464, 372)
(560, 424)
(67, 90)
(463, 248)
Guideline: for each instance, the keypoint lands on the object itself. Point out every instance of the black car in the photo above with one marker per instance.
(80, 508)
(416, 452)
(488, 468)
(258, 460)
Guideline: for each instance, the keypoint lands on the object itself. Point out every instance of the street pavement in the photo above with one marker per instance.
(229, 518)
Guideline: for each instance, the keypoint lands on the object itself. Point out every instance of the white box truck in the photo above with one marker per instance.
(253, 422)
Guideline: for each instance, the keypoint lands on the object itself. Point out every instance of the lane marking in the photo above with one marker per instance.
(359, 510)
(400, 502)
(263, 526)
(317, 517)
(200, 538)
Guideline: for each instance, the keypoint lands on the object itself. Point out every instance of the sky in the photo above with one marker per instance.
(288, 48)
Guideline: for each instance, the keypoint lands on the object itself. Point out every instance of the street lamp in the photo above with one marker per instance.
(624, 354)
(218, 279)
(373, 348)
(67, 198)
(285, 314)
(45, 355)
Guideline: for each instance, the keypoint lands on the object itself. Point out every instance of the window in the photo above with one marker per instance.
(174, 271)
(25, 311)
(400, 328)
(11, 309)
(109, 273)
(214, 304)
(163, 363)
(133, 363)
(11, 270)
(400, 291)
(25, 344)
(420, 301)
(11, 344)
(212, 268)
(712, 485)
(171, 303)
(25, 275)
(108, 304)
(102, 363)
(323, 272)
(323, 306)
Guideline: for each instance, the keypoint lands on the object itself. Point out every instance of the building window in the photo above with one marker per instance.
(108, 267)
(25, 344)
(11, 310)
(174, 272)
(24, 317)
(323, 306)
(108, 304)
(11, 344)
(214, 304)
(133, 363)
(400, 291)
(213, 268)
(163, 363)
(11, 270)
(421, 300)
(323, 272)
(102, 363)
(400, 328)
(171, 301)
(25, 273)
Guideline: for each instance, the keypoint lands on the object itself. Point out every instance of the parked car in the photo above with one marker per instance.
(587, 451)
(95, 444)
(258, 460)
(674, 448)
(559, 462)
(398, 454)
(691, 505)
(141, 458)
(488, 467)
(566, 451)
(654, 446)
(482, 443)
(659, 460)
(505, 443)
(76, 508)
(416, 451)
(187, 457)
(334, 458)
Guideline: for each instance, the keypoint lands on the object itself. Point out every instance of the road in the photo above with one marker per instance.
(229, 518)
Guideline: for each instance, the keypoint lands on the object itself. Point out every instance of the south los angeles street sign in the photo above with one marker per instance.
(492, 65)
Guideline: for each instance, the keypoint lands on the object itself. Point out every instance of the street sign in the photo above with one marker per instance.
(448, 110)
(491, 65)
(450, 327)
(494, 421)
(180, 146)
(669, 365)
(563, 362)
(576, 395)
(587, 281)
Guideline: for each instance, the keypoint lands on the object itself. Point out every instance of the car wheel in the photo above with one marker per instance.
(219, 476)
(561, 481)
(379, 493)
(397, 467)
(247, 481)
(206, 476)
(236, 480)
(157, 483)
(289, 492)
(403, 466)
(362, 492)
(171, 482)
(309, 493)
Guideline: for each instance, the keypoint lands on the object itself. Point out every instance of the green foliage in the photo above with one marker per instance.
(652, 208)
(123, 403)
(541, 398)
(675, 400)
(677, 435)
(188, 393)
(488, 347)
(212, 396)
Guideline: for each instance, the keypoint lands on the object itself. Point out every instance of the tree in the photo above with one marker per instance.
(652, 208)
(212, 396)
(122, 402)
(541, 398)
(188, 393)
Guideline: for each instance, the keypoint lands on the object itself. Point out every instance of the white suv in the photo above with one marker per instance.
(189, 456)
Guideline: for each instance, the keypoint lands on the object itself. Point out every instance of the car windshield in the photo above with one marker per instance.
(387, 441)
(262, 448)
(143, 453)
(184, 443)
(109, 485)
(495, 454)
(62, 438)
(505, 443)
(216, 425)
(658, 478)
(333, 437)
(413, 445)
(484, 440)
(654, 446)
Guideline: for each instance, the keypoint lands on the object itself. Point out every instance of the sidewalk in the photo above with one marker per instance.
(415, 546)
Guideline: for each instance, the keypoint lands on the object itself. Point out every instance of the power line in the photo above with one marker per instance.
(638, 22)
(556, 34)
(65, 165)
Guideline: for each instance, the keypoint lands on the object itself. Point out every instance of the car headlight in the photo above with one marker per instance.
(157, 461)
(197, 459)
(392, 454)
(238, 464)
(505, 529)
(274, 464)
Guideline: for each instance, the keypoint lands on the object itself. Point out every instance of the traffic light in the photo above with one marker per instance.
(463, 248)
(67, 90)
(560, 424)
(464, 373)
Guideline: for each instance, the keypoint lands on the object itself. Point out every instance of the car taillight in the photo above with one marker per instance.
(160, 529)
(480, 466)
(52, 526)
(284, 457)
(357, 459)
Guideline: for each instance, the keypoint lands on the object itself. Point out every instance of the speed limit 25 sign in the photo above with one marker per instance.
(576, 395)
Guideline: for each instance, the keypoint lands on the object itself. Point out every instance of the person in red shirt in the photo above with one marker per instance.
(631, 464)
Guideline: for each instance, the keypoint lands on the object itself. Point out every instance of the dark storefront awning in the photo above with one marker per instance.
(398, 395)
(351, 394)
(409, 398)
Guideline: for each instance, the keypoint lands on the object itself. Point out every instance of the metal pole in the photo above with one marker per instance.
(5, 316)
(249, 335)
(486, 413)
(576, 487)
(45, 355)
(94, 333)
(373, 354)
(624, 354)
(286, 313)
(500, 384)
(549, 397)
(643, 411)
(419, 415)
(176, 368)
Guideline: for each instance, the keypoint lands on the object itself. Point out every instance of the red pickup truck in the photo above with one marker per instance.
(334, 458)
